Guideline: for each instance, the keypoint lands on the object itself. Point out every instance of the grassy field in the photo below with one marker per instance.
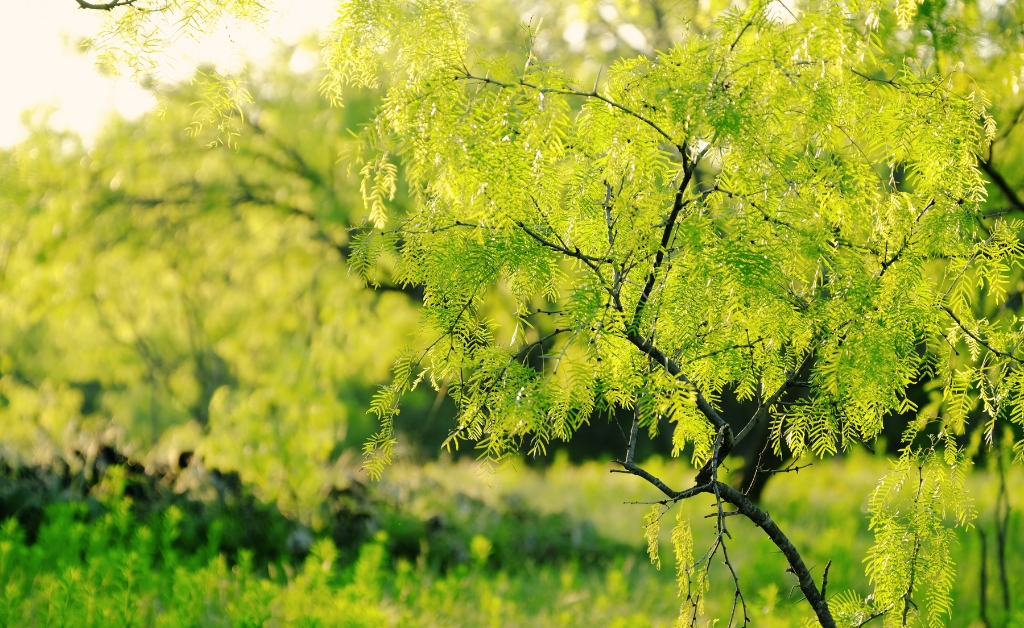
(112, 570)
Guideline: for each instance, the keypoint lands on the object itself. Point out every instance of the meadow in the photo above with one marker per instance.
(450, 544)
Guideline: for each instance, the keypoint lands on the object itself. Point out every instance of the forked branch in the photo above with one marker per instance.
(762, 520)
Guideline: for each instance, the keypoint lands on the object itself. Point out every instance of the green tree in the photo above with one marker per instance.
(164, 297)
(796, 261)
(785, 208)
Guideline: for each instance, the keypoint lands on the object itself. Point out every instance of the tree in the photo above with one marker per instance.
(769, 210)
(160, 296)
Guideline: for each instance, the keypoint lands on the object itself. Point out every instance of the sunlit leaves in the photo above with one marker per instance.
(912, 511)
(652, 530)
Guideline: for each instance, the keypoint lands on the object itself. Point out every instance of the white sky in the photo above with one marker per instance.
(37, 67)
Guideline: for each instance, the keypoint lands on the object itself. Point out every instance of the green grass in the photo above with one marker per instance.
(116, 571)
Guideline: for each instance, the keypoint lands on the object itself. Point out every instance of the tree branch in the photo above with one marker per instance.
(762, 520)
(659, 258)
(979, 339)
(522, 353)
(105, 6)
(572, 92)
(1000, 182)
(772, 400)
(673, 369)
(573, 252)
(886, 264)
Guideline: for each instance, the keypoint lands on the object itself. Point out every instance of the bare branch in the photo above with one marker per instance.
(790, 469)
(522, 353)
(824, 579)
(105, 6)
(633, 432)
(761, 519)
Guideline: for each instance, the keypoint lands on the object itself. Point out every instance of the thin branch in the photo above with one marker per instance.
(574, 252)
(907, 601)
(666, 237)
(1000, 182)
(886, 264)
(522, 353)
(890, 81)
(673, 369)
(738, 597)
(105, 6)
(790, 469)
(960, 276)
(673, 496)
(571, 92)
(979, 339)
(733, 347)
(872, 617)
(633, 432)
(772, 400)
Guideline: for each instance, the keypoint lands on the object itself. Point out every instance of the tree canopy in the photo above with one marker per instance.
(783, 206)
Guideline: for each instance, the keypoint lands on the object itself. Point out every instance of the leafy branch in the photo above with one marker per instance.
(572, 92)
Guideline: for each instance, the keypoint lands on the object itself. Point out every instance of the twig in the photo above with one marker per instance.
(571, 92)
(105, 6)
(1000, 182)
(979, 339)
(574, 252)
(522, 353)
(789, 469)
(772, 400)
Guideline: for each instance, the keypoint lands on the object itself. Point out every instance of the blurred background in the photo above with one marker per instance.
(180, 333)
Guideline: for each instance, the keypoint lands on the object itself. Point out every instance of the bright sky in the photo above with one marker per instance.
(39, 68)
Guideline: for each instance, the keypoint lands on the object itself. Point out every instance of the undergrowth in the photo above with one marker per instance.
(439, 546)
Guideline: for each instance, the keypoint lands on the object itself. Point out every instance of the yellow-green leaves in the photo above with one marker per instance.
(691, 578)
(220, 106)
(652, 532)
(913, 512)
(390, 42)
(379, 183)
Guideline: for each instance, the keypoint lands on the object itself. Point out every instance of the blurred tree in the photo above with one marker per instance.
(158, 293)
